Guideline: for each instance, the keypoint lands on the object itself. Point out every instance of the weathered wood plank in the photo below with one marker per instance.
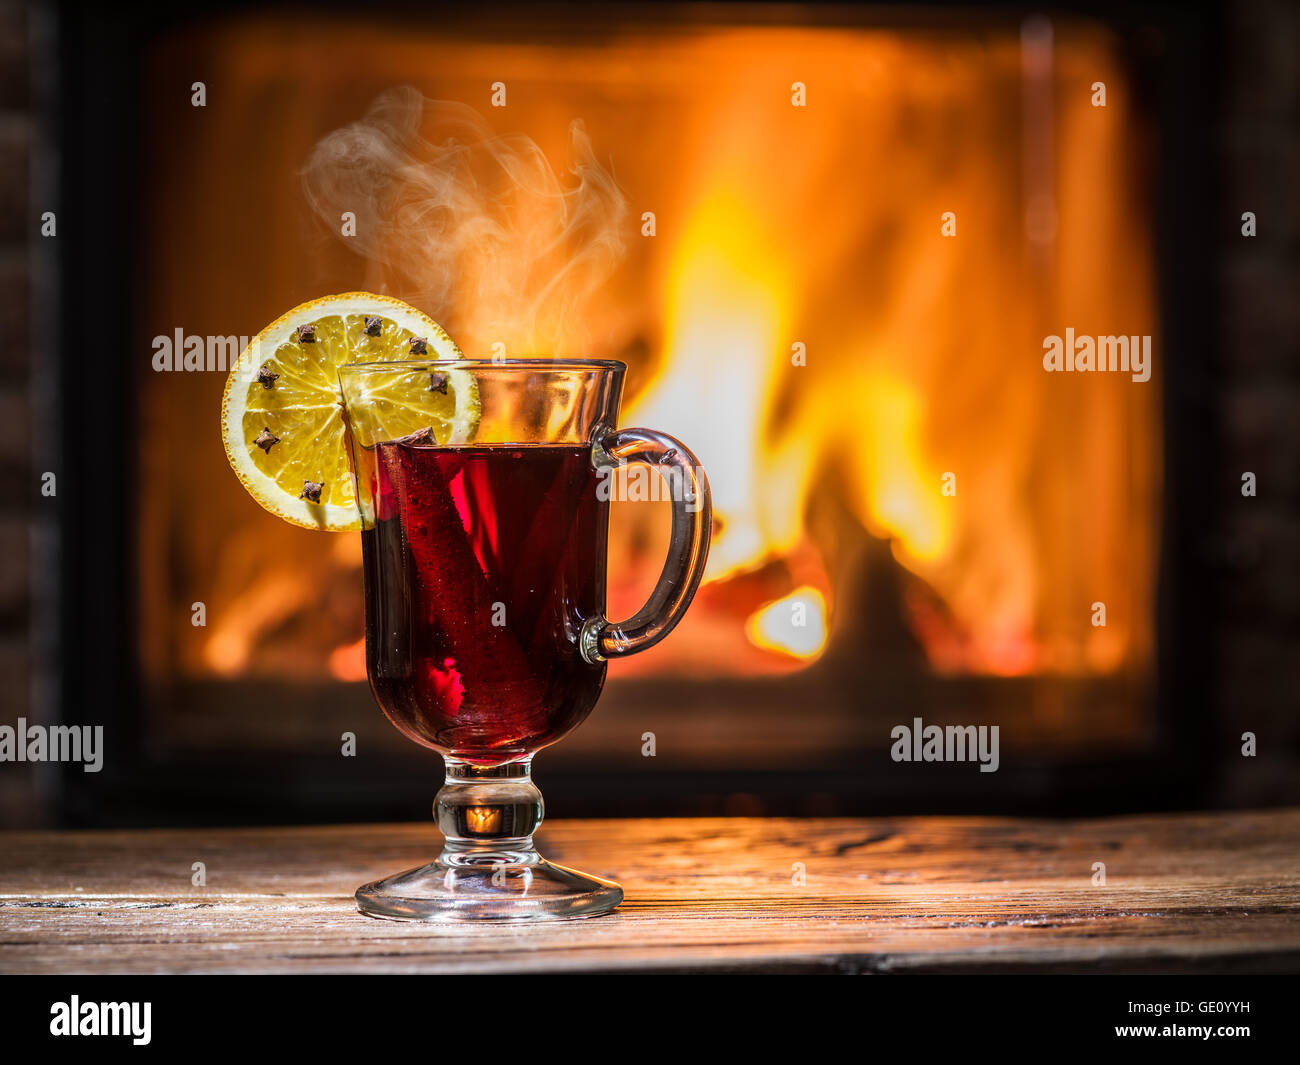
(1198, 892)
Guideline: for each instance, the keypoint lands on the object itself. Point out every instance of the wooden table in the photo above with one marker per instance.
(1205, 893)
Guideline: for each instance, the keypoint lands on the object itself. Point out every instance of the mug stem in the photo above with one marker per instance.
(488, 814)
(488, 868)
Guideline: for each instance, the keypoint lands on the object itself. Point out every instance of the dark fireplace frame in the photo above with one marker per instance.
(94, 663)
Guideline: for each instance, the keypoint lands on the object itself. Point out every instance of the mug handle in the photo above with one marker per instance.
(688, 547)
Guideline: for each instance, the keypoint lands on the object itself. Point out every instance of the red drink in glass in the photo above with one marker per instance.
(481, 567)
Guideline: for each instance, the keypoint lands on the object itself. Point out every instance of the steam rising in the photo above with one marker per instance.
(473, 227)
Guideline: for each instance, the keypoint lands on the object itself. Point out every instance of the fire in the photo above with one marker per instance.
(348, 661)
(726, 315)
(257, 610)
(898, 494)
(843, 360)
(725, 378)
(483, 819)
(831, 351)
(794, 625)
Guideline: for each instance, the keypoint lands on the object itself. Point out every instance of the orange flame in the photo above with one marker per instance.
(348, 661)
(726, 315)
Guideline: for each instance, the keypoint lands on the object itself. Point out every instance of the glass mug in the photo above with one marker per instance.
(486, 636)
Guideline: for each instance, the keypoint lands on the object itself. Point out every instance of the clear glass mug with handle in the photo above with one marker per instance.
(484, 549)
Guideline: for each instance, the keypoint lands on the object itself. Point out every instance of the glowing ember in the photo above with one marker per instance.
(794, 626)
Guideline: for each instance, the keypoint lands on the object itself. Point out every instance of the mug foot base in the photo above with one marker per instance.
(491, 888)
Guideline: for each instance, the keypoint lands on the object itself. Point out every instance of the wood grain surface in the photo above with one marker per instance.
(1199, 893)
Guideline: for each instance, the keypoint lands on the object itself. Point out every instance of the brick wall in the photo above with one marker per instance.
(18, 805)
(1255, 611)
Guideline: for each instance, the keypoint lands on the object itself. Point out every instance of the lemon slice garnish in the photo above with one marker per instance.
(282, 410)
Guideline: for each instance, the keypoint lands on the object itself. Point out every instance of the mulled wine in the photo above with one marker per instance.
(482, 564)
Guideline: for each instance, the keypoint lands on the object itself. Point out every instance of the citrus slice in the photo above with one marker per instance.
(282, 411)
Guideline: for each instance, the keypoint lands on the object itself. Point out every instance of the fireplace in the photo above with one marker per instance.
(851, 233)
